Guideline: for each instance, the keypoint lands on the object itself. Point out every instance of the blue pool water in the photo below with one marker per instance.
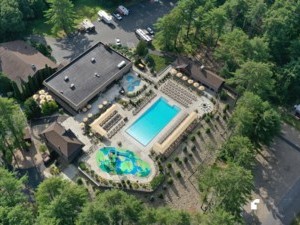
(148, 125)
(131, 82)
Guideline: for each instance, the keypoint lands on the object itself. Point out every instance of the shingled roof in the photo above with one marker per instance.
(62, 140)
(202, 75)
(17, 59)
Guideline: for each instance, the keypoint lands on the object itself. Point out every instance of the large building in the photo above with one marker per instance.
(19, 60)
(199, 73)
(77, 83)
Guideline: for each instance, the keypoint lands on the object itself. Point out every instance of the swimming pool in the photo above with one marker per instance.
(131, 82)
(150, 124)
(121, 162)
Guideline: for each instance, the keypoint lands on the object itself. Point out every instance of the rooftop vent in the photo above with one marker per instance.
(202, 67)
(72, 86)
(66, 78)
(33, 66)
(97, 75)
(93, 60)
(61, 92)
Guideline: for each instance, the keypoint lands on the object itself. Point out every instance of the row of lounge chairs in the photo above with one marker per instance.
(174, 126)
(183, 90)
(113, 120)
(143, 104)
(116, 129)
(177, 96)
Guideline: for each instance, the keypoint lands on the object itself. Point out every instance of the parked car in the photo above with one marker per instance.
(150, 31)
(122, 10)
(117, 16)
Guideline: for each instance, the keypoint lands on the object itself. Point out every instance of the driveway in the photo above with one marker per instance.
(141, 15)
(277, 181)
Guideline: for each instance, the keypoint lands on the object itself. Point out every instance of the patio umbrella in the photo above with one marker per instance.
(89, 106)
(81, 125)
(85, 119)
(184, 78)
(201, 88)
(84, 110)
(173, 71)
(90, 115)
(190, 81)
(41, 92)
(42, 97)
(105, 103)
(100, 106)
(179, 75)
(42, 101)
(35, 97)
(49, 98)
(196, 84)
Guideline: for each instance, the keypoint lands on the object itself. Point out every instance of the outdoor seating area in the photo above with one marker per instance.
(143, 104)
(108, 123)
(178, 93)
(166, 145)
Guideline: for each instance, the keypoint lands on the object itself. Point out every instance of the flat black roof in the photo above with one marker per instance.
(87, 75)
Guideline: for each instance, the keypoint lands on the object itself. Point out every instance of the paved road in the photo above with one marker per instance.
(280, 191)
(141, 15)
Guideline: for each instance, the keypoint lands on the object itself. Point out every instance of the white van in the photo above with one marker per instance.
(121, 64)
(122, 10)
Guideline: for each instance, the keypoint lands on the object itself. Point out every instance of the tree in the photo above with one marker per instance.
(31, 109)
(5, 84)
(255, 77)
(38, 7)
(141, 49)
(49, 107)
(59, 202)
(14, 209)
(228, 187)
(255, 119)
(215, 217)
(254, 16)
(233, 49)
(11, 21)
(238, 150)
(12, 125)
(288, 83)
(61, 15)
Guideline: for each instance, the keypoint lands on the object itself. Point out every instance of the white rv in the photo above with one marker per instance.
(143, 35)
(106, 17)
(122, 10)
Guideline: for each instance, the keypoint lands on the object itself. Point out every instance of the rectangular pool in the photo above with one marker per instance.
(148, 125)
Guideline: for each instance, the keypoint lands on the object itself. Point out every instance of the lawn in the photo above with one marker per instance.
(291, 120)
(83, 9)
(160, 62)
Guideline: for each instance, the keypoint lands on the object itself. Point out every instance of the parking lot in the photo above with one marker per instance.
(141, 15)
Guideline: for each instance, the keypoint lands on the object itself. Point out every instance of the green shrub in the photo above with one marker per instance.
(43, 148)
(185, 159)
(169, 165)
(82, 166)
(178, 174)
(170, 181)
(207, 130)
(193, 138)
(49, 107)
(79, 181)
(31, 109)
(160, 195)
(176, 159)
(157, 180)
(185, 149)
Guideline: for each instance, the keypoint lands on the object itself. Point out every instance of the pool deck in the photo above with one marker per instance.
(128, 142)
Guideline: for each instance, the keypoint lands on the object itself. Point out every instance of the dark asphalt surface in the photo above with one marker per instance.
(141, 15)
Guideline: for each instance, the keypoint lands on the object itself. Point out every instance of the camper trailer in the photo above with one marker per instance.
(104, 16)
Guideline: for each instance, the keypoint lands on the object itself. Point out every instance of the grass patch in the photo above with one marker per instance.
(291, 120)
(160, 62)
(83, 9)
